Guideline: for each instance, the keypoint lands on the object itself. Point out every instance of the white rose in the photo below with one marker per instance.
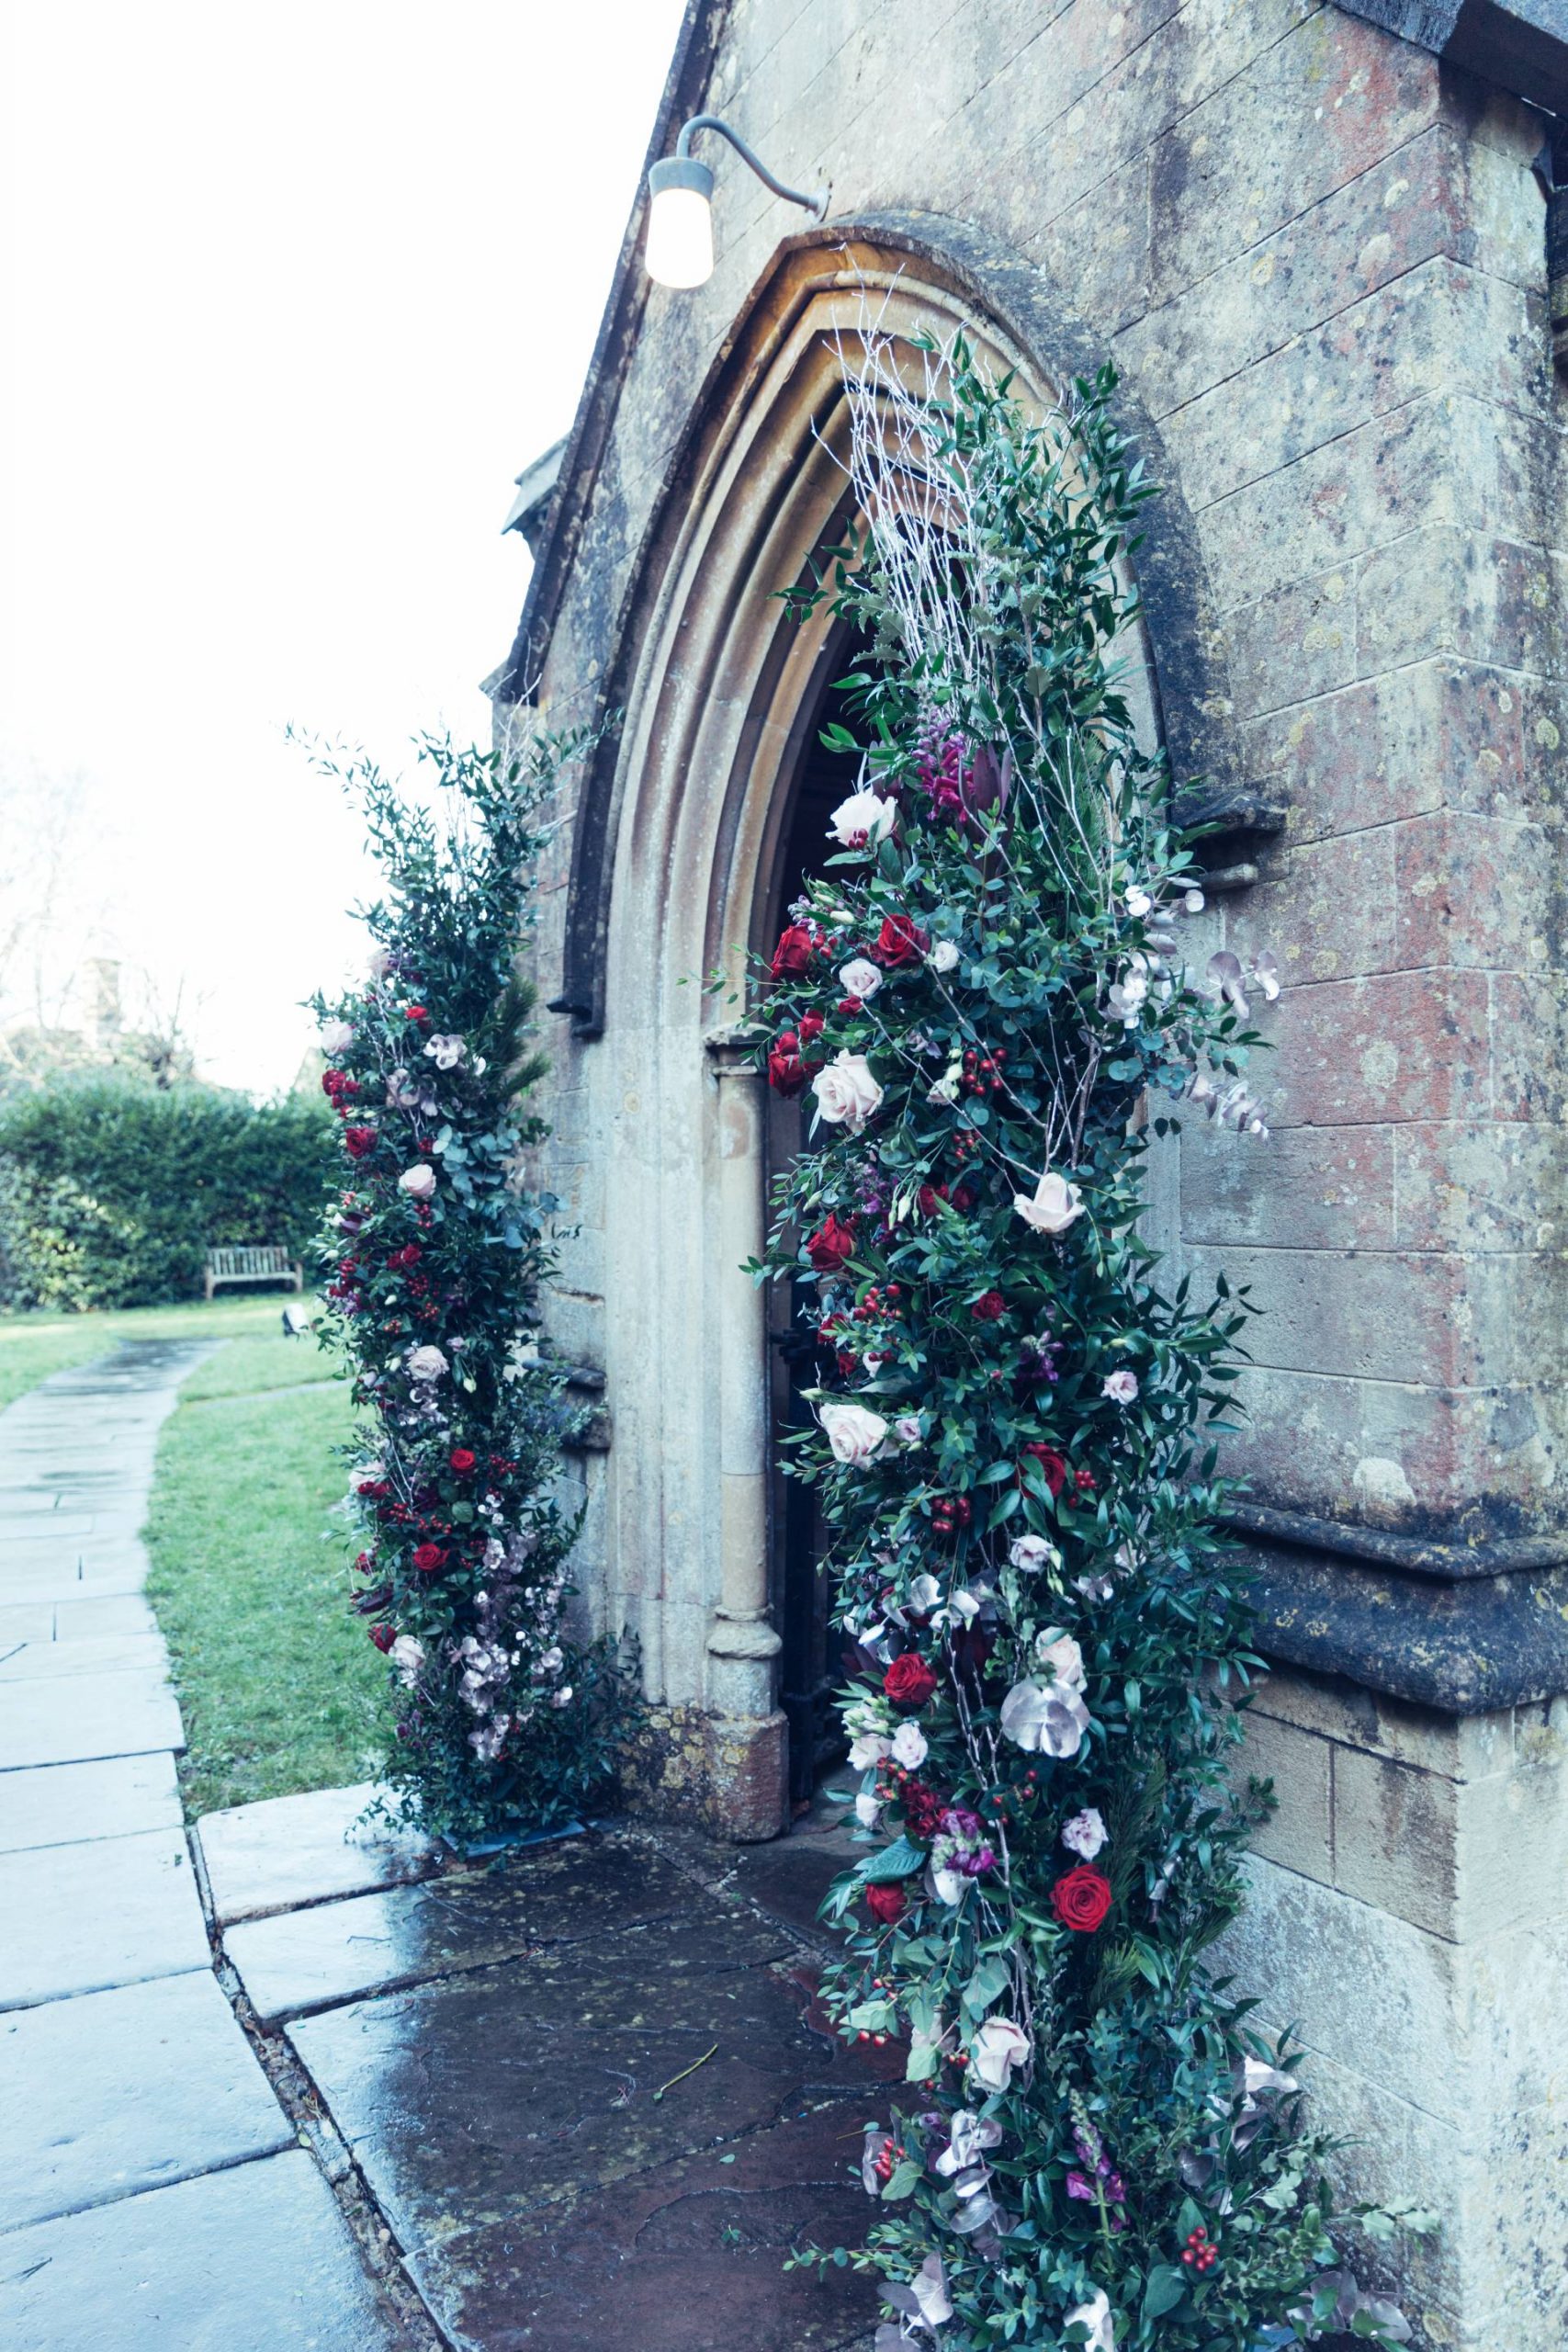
(1096, 2317)
(997, 2049)
(1085, 1833)
(337, 1037)
(872, 1748)
(868, 1811)
(407, 1656)
(1062, 1654)
(943, 956)
(909, 1746)
(1054, 1206)
(862, 821)
(446, 1052)
(859, 978)
(853, 1434)
(1121, 1388)
(948, 1886)
(1047, 1720)
(1032, 1553)
(418, 1182)
(847, 1094)
(426, 1363)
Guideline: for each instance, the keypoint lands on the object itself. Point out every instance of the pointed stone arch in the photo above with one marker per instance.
(676, 841)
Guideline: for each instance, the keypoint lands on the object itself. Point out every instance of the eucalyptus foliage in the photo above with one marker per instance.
(988, 999)
(434, 1259)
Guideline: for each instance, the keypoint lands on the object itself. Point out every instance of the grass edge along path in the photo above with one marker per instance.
(278, 1686)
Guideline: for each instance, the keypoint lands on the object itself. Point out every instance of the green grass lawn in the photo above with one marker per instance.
(281, 1689)
(32, 1346)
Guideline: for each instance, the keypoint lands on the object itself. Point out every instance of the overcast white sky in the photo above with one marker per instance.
(290, 294)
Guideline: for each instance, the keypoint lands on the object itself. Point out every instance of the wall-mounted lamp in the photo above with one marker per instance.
(680, 216)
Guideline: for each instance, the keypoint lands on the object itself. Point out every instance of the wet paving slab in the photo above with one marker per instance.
(289, 1851)
(687, 2257)
(257, 2258)
(97, 1654)
(573, 1891)
(69, 1805)
(529, 2082)
(115, 1911)
(126, 2090)
(72, 1719)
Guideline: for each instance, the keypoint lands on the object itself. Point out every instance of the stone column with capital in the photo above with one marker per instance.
(749, 1747)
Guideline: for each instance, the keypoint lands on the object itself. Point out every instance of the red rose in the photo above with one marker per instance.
(786, 1071)
(990, 1307)
(416, 1012)
(428, 1558)
(383, 1636)
(359, 1141)
(884, 1903)
(1051, 1464)
(797, 943)
(923, 1809)
(832, 1246)
(811, 1027)
(1081, 1899)
(462, 1461)
(909, 1682)
(900, 941)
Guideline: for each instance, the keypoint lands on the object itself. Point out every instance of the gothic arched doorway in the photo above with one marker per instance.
(695, 827)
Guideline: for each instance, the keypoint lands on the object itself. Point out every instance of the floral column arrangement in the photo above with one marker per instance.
(988, 1007)
(434, 1259)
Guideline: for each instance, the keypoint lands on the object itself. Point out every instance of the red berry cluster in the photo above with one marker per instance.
(1201, 2253)
(983, 1072)
(951, 1513)
(890, 2152)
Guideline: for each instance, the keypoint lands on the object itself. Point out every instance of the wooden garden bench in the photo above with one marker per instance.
(253, 1266)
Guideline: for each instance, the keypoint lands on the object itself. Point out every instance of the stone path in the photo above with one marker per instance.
(585, 2087)
(577, 2097)
(154, 2197)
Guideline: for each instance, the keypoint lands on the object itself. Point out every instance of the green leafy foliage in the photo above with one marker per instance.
(1015, 1416)
(112, 1190)
(434, 1257)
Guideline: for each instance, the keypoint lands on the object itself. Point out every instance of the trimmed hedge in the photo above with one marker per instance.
(111, 1192)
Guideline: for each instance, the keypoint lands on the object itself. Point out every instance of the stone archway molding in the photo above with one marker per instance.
(960, 276)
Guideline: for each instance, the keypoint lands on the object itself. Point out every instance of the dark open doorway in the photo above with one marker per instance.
(810, 1665)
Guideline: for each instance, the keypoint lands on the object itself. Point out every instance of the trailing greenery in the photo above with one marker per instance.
(436, 1256)
(990, 1001)
(112, 1190)
(249, 1564)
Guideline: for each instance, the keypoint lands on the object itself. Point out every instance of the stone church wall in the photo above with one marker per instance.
(1317, 254)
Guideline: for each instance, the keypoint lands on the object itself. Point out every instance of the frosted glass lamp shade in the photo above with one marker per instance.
(680, 223)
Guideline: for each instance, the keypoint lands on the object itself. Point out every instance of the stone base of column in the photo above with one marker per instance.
(1406, 1915)
(724, 1773)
